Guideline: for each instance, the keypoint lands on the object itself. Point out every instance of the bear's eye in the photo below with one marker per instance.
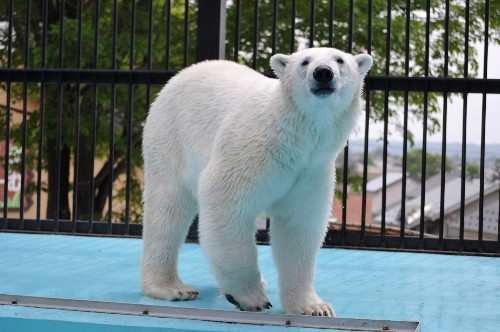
(305, 63)
(340, 60)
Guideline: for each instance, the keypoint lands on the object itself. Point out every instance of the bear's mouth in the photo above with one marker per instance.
(323, 91)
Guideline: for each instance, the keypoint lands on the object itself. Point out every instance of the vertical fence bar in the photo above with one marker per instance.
(76, 168)
(149, 60)
(346, 148)
(444, 127)
(386, 121)
(330, 23)
(43, 57)
(365, 167)
(128, 129)
(237, 17)
(464, 129)
(255, 32)
(292, 26)
(350, 29)
(59, 116)
(167, 33)
(424, 127)
(112, 119)
(483, 126)
(275, 27)
(94, 118)
(311, 22)
(498, 223)
(24, 128)
(367, 131)
(345, 175)
(7, 117)
(405, 126)
(186, 34)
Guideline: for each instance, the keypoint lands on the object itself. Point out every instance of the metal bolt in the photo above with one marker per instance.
(288, 323)
(145, 312)
(385, 328)
(14, 302)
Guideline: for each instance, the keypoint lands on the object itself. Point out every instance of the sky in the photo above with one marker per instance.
(455, 108)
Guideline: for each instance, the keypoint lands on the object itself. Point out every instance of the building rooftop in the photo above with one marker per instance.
(442, 292)
(377, 183)
(433, 200)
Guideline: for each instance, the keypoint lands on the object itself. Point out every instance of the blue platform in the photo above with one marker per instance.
(442, 292)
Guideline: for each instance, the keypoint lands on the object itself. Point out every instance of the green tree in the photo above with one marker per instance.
(433, 164)
(472, 171)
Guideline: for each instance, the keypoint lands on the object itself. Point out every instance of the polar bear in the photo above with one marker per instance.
(230, 143)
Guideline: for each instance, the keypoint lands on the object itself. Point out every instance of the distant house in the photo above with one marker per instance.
(451, 210)
(393, 187)
(431, 183)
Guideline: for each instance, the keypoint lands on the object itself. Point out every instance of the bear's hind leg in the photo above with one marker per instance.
(167, 216)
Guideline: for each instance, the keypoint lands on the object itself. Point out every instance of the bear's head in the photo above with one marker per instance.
(322, 75)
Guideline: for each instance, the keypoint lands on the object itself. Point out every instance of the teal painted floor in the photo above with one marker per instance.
(442, 292)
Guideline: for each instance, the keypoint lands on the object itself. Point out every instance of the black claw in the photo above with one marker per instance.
(325, 313)
(320, 314)
(268, 305)
(231, 300)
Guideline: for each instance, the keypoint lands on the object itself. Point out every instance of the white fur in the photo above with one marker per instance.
(230, 143)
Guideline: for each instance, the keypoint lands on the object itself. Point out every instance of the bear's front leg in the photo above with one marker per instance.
(227, 235)
(298, 226)
(230, 247)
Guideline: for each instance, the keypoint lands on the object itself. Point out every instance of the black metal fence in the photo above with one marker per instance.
(77, 76)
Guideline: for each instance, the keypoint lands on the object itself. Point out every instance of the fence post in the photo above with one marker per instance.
(211, 34)
(210, 45)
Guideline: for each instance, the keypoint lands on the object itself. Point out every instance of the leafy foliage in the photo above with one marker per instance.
(432, 165)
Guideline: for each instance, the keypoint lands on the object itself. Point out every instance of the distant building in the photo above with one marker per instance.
(431, 183)
(393, 187)
(451, 210)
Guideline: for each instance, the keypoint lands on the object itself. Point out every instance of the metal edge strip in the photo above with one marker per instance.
(211, 315)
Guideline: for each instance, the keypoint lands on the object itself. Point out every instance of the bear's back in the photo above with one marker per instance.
(188, 112)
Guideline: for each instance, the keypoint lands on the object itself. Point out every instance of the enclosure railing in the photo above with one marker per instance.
(76, 79)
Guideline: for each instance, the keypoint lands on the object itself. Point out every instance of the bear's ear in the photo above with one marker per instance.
(279, 63)
(364, 62)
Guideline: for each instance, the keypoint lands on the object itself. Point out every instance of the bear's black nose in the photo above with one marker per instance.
(323, 74)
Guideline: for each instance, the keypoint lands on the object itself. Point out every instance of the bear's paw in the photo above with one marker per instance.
(318, 308)
(256, 301)
(174, 292)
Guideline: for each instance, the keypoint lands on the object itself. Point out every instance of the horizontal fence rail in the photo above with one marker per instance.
(160, 77)
(76, 79)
